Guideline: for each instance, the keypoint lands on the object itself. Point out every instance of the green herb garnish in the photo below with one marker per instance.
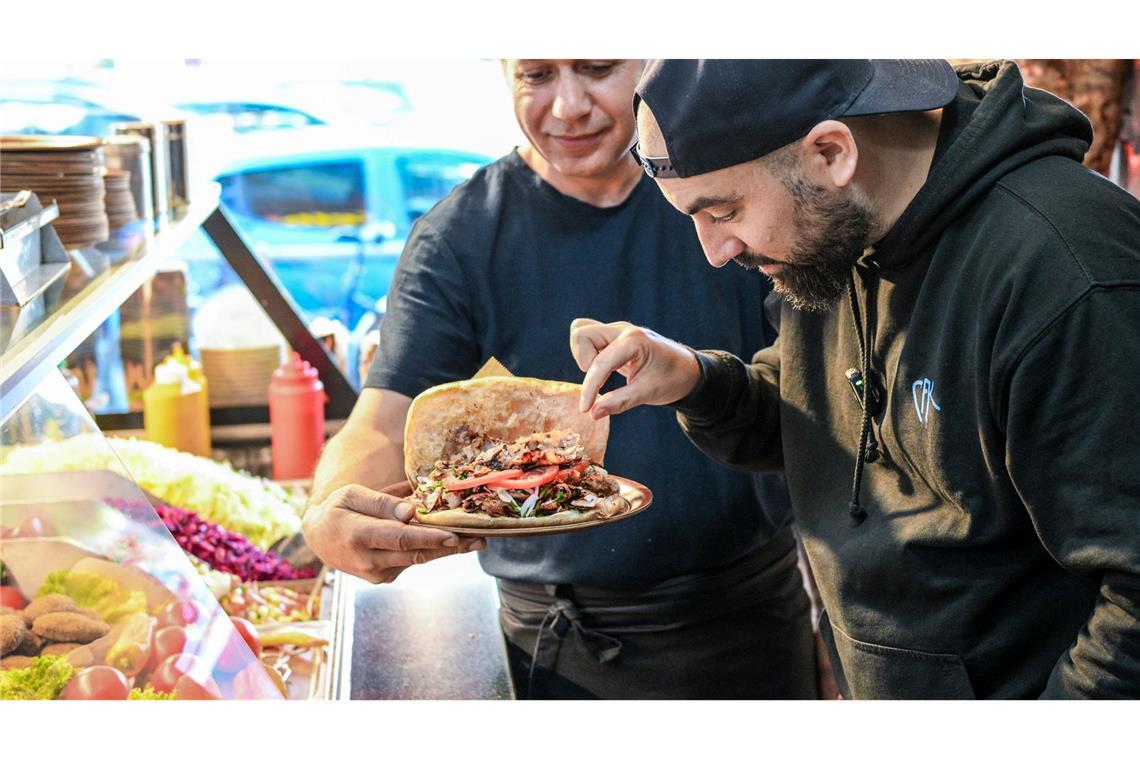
(45, 678)
(149, 693)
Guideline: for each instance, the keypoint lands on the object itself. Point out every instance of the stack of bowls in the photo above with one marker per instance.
(68, 170)
(240, 376)
(118, 199)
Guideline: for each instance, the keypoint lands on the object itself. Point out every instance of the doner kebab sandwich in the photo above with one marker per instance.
(507, 452)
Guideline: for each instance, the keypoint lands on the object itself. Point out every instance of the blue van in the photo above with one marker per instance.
(329, 209)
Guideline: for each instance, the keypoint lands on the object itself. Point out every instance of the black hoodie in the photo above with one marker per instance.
(994, 547)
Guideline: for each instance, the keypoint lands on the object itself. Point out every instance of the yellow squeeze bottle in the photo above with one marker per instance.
(194, 370)
(173, 412)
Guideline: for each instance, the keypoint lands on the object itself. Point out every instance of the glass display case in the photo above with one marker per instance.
(100, 600)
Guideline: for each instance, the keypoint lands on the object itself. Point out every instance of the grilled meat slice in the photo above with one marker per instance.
(597, 481)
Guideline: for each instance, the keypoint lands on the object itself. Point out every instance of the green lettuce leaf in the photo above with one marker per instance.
(95, 592)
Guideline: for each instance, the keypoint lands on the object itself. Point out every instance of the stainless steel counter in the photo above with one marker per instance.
(432, 634)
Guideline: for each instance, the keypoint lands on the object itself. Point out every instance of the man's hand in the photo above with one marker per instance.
(365, 533)
(825, 677)
(657, 370)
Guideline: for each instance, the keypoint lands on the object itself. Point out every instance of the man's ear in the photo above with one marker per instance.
(829, 154)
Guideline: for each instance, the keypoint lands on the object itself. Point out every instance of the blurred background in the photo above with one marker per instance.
(323, 166)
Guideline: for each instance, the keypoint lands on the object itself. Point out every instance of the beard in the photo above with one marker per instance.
(831, 232)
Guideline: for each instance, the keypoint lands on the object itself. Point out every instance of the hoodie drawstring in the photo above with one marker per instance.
(868, 447)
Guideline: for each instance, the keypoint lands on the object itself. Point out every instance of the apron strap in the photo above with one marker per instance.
(561, 617)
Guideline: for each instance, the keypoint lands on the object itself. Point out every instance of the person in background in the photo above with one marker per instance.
(953, 393)
(1096, 86)
(700, 596)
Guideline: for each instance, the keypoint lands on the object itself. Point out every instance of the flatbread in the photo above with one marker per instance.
(501, 407)
(457, 518)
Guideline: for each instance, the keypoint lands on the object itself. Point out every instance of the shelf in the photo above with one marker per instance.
(62, 327)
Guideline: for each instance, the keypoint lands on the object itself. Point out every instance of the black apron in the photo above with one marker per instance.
(740, 631)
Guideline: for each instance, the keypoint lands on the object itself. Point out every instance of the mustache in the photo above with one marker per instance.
(753, 260)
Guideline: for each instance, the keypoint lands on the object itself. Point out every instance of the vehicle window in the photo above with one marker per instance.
(63, 115)
(326, 194)
(427, 179)
(248, 117)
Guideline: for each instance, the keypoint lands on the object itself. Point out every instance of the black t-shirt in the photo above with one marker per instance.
(500, 268)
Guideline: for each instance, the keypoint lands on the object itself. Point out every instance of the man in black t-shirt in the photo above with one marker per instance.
(699, 597)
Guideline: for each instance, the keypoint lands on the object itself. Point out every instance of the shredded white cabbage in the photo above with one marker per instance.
(259, 509)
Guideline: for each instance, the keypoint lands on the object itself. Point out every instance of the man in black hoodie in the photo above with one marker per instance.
(953, 395)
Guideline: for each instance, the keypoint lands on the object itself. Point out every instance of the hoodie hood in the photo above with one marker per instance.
(983, 138)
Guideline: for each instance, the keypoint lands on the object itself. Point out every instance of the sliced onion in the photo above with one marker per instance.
(528, 506)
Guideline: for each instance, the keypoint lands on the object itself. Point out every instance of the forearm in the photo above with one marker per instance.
(1104, 662)
(358, 457)
(1071, 454)
(733, 414)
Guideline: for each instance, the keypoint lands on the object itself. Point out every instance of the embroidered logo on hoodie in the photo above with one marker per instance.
(923, 392)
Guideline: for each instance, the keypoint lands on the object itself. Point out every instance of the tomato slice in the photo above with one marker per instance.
(454, 484)
(532, 479)
(574, 472)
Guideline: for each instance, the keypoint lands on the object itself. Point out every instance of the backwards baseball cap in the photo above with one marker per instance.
(718, 113)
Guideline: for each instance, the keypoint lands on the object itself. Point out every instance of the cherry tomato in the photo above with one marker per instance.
(165, 676)
(181, 612)
(188, 688)
(167, 641)
(248, 632)
(242, 641)
(97, 682)
(10, 597)
(259, 681)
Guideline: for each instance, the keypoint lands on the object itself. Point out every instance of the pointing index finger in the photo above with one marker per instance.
(587, 337)
(608, 359)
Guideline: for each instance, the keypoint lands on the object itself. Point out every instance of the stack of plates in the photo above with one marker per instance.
(68, 170)
(240, 376)
(118, 199)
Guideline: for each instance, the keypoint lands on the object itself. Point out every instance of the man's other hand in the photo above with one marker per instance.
(657, 370)
(366, 533)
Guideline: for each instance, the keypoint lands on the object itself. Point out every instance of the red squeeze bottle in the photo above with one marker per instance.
(296, 419)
